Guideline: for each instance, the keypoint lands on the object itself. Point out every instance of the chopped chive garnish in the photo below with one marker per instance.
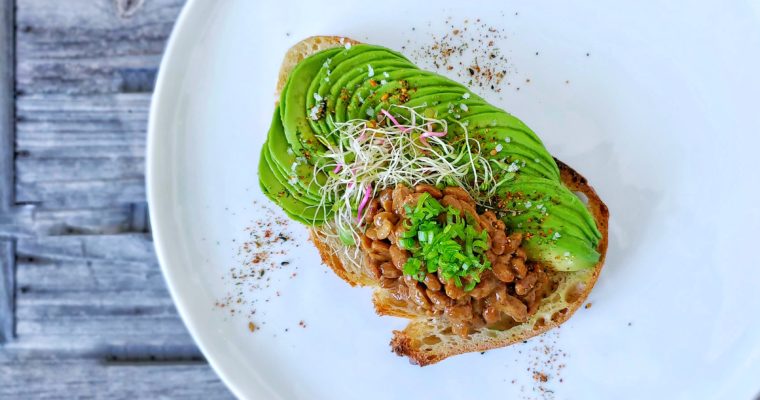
(454, 248)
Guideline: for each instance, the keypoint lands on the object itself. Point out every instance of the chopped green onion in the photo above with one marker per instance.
(407, 243)
(454, 248)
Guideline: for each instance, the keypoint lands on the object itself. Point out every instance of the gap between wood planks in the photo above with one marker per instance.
(7, 127)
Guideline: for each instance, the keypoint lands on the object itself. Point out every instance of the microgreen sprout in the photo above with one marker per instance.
(404, 145)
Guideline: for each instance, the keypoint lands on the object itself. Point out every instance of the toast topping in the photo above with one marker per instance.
(441, 257)
(352, 122)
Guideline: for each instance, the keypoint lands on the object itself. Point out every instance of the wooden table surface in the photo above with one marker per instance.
(84, 311)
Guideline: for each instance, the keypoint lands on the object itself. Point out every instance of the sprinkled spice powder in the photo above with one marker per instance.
(546, 363)
(540, 376)
(470, 51)
(262, 261)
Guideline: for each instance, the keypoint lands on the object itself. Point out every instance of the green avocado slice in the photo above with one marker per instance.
(296, 169)
(295, 118)
(289, 183)
(343, 99)
(360, 62)
(348, 102)
(536, 202)
(567, 253)
(368, 92)
(278, 193)
(433, 98)
(559, 232)
(269, 186)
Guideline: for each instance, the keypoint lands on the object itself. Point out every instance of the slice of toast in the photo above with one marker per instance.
(427, 340)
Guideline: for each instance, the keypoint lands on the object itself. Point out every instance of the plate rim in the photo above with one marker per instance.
(160, 100)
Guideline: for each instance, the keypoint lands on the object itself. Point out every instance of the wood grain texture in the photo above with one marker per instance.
(54, 378)
(7, 126)
(95, 292)
(84, 75)
(65, 126)
(85, 221)
(93, 316)
(81, 151)
(90, 46)
(7, 291)
(7, 105)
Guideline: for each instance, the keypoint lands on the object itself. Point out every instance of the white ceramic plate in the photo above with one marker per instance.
(661, 116)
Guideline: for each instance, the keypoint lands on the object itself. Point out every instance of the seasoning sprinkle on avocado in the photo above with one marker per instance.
(411, 127)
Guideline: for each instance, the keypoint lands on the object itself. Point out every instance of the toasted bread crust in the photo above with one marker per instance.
(407, 341)
(303, 49)
(333, 261)
(402, 342)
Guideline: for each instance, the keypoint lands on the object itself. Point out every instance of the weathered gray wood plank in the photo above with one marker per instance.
(7, 125)
(71, 378)
(147, 352)
(84, 221)
(41, 170)
(64, 126)
(7, 106)
(81, 151)
(78, 149)
(94, 294)
(136, 248)
(13, 222)
(25, 221)
(101, 193)
(91, 46)
(7, 311)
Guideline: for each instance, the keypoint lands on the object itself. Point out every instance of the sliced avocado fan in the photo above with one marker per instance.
(343, 84)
